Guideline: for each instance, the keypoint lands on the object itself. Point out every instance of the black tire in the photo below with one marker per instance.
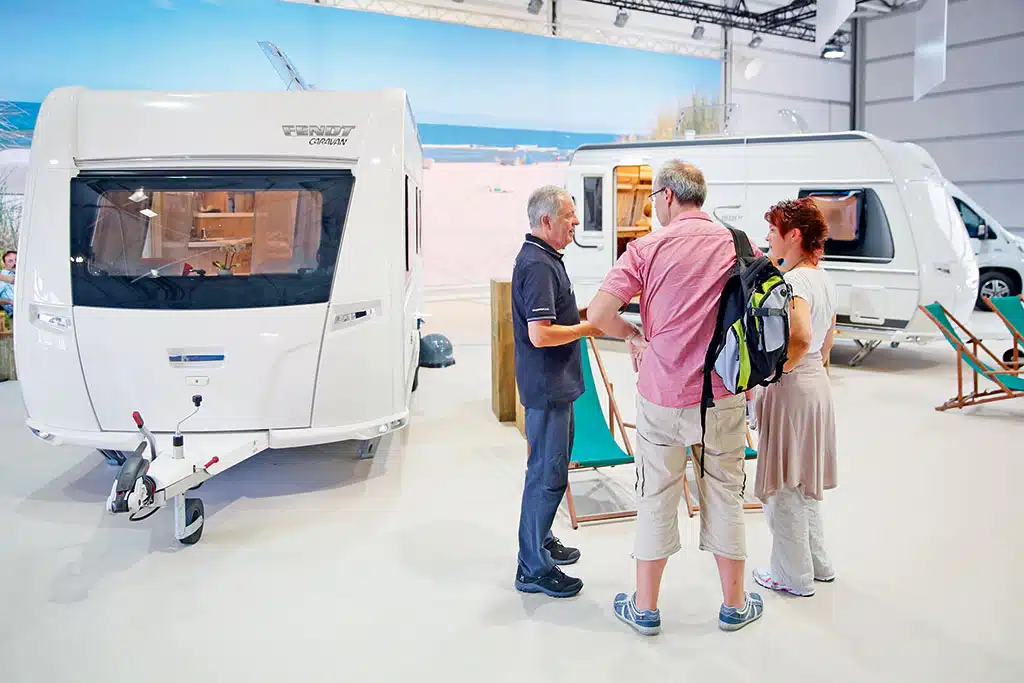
(193, 511)
(113, 457)
(994, 283)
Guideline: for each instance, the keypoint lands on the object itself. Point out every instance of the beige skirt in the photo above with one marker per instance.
(796, 432)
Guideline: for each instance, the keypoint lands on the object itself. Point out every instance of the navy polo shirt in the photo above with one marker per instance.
(541, 291)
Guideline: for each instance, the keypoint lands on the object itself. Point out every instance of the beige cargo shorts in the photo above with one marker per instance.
(662, 437)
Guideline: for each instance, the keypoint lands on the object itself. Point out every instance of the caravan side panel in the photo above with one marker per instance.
(46, 350)
(359, 363)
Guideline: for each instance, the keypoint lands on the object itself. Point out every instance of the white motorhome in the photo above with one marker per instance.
(260, 250)
(999, 252)
(896, 241)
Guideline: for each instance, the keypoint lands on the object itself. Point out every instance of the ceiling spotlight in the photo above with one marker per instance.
(698, 32)
(534, 6)
(755, 41)
(621, 18)
(833, 50)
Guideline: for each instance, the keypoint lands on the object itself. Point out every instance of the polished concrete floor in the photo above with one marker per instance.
(317, 566)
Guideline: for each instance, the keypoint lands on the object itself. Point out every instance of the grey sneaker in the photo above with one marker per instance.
(645, 622)
(733, 619)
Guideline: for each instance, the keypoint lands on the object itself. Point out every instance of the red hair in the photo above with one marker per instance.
(805, 216)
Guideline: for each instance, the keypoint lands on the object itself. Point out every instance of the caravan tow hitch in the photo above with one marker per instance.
(134, 490)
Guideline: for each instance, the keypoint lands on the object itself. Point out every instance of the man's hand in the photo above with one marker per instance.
(637, 345)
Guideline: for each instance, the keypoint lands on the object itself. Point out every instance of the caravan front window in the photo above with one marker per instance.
(206, 239)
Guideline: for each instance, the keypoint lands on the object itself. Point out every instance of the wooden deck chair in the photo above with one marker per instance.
(1007, 379)
(594, 445)
(1010, 310)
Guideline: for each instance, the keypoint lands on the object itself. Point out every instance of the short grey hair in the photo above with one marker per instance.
(544, 202)
(686, 182)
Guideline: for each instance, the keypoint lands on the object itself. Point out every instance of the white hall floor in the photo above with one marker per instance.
(316, 566)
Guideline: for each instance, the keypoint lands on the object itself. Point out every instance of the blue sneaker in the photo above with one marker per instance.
(645, 622)
(732, 619)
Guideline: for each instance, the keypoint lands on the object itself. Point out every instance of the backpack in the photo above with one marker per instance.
(751, 338)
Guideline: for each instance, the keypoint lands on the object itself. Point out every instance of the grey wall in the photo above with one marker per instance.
(972, 124)
(791, 75)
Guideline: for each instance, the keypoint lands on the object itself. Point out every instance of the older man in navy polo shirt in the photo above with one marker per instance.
(547, 329)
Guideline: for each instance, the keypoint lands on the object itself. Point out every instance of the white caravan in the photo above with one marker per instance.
(897, 240)
(1000, 253)
(255, 252)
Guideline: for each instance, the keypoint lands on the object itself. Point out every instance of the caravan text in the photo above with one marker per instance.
(320, 135)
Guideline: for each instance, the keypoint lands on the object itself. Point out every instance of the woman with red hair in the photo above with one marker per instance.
(796, 459)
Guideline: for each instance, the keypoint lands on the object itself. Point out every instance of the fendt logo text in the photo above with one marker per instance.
(320, 135)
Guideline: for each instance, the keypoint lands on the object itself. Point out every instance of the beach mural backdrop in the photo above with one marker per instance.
(498, 112)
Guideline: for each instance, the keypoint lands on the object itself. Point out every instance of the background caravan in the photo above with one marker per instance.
(1000, 253)
(259, 250)
(897, 239)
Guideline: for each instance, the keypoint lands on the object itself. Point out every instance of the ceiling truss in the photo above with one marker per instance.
(484, 16)
(794, 20)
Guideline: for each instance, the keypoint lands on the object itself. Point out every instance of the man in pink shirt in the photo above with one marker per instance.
(679, 271)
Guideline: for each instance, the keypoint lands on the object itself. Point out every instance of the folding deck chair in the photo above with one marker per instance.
(594, 445)
(1010, 310)
(1007, 378)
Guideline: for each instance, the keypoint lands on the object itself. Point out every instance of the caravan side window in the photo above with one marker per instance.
(203, 240)
(409, 202)
(593, 212)
(412, 221)
(419, 220)
(858, 227)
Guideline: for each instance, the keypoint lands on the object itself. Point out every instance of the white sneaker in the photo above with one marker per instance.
(763, 578)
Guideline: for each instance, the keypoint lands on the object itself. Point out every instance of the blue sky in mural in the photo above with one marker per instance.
(455, 75)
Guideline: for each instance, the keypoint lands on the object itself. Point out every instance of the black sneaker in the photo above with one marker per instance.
(555, 584)
(560, 554)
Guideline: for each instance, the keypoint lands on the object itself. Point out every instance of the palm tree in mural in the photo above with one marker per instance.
(701, 114)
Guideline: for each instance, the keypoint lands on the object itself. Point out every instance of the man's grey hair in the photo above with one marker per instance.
(544, 202)
(685, 180)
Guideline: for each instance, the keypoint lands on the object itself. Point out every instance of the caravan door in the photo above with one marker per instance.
(204, 282)
(591, 253)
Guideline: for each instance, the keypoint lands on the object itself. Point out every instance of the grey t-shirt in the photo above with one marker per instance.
(815, 286)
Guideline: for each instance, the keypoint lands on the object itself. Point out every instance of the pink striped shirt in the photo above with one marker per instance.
(679, 271)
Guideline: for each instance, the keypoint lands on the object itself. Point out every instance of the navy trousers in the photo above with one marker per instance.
(549, 433)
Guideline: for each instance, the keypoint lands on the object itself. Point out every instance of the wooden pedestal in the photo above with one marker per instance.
(503, 373)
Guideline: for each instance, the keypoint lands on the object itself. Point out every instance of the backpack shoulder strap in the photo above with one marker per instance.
(743, 252)
(741, 241)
